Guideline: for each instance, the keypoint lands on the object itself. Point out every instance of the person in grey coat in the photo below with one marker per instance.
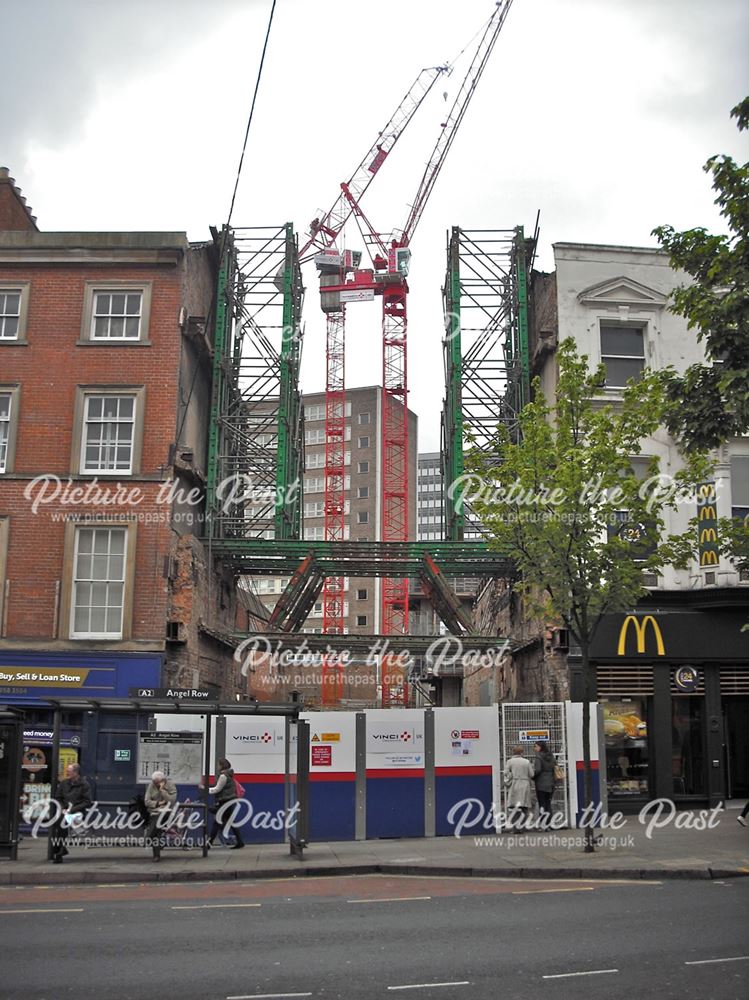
(160, 795)
(518, 776)
(543, 775)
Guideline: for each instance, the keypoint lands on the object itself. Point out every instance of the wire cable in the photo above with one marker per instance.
(224, 234)
(252, 112)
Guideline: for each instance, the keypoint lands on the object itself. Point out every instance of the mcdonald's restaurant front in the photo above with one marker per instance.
(673, 683)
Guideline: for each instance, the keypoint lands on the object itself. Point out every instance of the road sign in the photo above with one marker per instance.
(174, 694)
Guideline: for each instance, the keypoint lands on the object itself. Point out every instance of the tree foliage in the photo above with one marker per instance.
(565, 504)
(555, 500)
(709, 403)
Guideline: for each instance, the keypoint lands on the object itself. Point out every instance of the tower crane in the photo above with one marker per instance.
(342, 280)
(333, 265)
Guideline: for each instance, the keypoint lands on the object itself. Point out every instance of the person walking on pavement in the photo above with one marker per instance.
(544, 764)
(160, 795)
(74, 799)
(518, 776)
(741, 818)
(225, 790)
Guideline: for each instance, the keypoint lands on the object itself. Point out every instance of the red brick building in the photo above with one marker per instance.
(105, 383)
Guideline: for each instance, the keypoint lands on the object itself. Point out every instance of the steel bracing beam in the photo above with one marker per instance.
(444, 600)
(377, 645)
(298, 599)
(363, 559)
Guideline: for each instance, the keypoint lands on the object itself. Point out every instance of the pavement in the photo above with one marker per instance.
(689, 845)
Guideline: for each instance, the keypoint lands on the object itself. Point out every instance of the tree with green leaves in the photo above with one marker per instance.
(564, 501)
(709, 403)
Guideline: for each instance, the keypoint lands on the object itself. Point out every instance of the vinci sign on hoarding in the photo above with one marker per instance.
(397, 743)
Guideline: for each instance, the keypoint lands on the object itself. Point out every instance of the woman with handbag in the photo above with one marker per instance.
(544, 771)
(225, 790)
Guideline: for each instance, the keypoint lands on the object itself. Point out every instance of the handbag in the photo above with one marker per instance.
(72, 819)
(239, 789)
(558, 773)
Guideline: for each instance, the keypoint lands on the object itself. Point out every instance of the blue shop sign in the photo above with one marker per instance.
(35, 677)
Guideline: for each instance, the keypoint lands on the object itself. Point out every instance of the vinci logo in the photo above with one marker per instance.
(641, 627)
(261, 739)
(405, 736)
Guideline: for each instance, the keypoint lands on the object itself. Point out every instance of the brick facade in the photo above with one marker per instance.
(180, 603)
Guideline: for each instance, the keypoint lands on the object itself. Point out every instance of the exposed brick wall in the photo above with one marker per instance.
(534, 672)
(544, 324)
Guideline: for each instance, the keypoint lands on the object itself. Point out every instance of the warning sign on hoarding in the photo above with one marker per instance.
(533, 735)
(322, 756)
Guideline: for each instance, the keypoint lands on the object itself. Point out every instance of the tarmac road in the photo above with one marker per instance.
(377, 937)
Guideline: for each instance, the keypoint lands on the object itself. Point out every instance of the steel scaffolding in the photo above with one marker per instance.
(486, 355)
(256, 438)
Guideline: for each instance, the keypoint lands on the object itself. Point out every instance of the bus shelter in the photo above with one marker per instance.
(202, 749)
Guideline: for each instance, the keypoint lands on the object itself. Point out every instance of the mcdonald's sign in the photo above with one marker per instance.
(640, 626)
(707, 516)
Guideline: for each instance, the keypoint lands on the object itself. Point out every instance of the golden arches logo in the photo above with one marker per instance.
(708, 535)
(640, 627)
(709, 558)
(707, 490)
(708, 513)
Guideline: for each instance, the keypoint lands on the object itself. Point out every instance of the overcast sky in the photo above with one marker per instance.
(600, 113)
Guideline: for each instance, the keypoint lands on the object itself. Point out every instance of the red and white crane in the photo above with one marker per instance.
(342, 281)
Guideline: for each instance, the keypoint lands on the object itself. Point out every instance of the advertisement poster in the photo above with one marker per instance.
(626, 737)
(36, 779)
(178, 755)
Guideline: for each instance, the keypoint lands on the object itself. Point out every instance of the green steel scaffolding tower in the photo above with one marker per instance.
(256, 437)
(486, 353)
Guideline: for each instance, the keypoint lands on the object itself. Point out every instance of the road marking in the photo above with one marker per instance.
(226, 906)
(532, 892)
(429, 986)
(260, 996)
(77, 909)
(592, 972)
(711, 961)
(391, 899)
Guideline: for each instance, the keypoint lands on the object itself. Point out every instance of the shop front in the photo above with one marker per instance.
(673, 682)
(103, 744)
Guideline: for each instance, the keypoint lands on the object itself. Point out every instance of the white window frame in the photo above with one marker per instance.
(8, 428)
(20, 288)
(86, 421)
(639, 326)
(92, 289)
(125, 580)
